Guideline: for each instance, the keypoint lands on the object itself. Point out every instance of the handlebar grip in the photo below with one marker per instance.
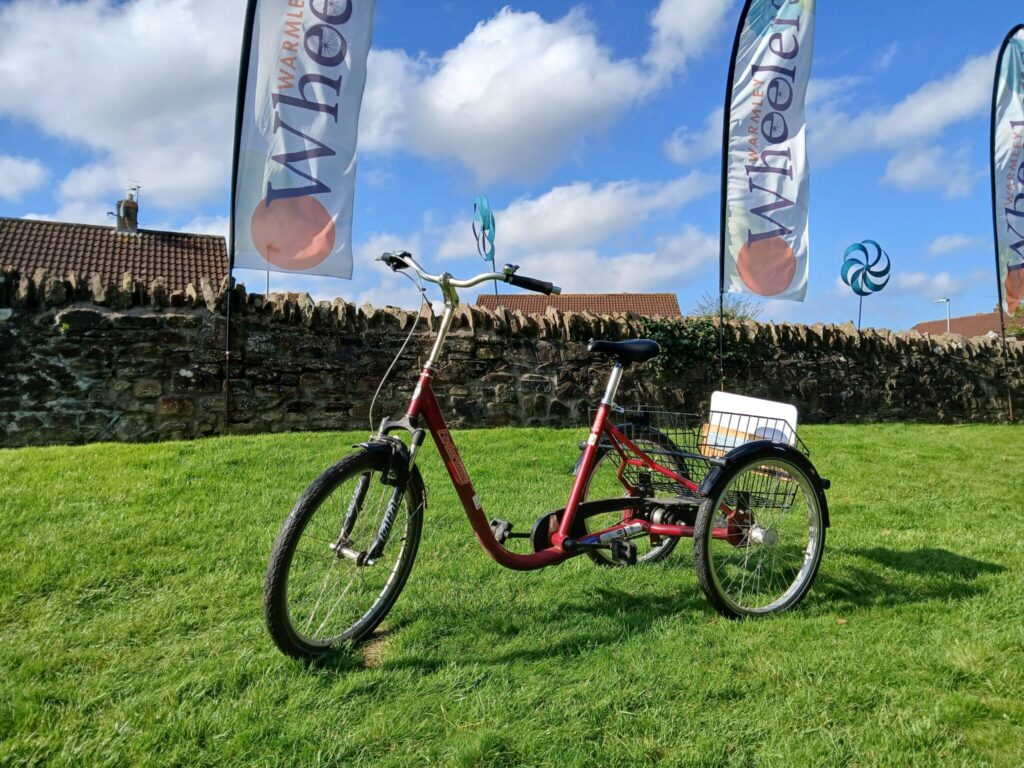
(395, 260)
(530, 284)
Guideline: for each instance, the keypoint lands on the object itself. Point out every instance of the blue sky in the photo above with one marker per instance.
(591, 126)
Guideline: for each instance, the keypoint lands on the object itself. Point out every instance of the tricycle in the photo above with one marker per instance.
(739, 483)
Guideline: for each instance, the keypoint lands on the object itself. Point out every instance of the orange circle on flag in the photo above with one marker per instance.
(767, 266)
(1014, 289)
(294, 233)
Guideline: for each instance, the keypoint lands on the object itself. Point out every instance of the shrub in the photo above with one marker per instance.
(693, 341)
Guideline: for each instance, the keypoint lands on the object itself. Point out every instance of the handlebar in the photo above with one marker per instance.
(531, 284)
(402, 259)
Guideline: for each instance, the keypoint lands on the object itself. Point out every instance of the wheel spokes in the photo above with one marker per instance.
(763, 562)
(330, 594)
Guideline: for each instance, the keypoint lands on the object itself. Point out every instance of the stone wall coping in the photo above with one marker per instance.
(46, 293)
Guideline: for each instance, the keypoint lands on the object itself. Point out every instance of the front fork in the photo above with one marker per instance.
(369, 557)
(386, 523)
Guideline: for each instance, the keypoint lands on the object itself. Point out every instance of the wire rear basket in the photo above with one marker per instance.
(687, 443)
(724, 431)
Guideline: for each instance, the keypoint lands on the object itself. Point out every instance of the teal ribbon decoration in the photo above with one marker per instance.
(484, 228)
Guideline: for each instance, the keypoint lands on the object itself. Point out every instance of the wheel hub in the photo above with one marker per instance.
(345, 552)
(766, 537)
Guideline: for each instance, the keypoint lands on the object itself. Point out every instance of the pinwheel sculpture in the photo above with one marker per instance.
(866, 270)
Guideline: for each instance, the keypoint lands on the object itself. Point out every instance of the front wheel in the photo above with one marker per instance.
(317, 595)
(760, 533)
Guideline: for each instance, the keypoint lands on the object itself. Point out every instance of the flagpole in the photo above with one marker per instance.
(243, 77)
(995, 216)
(726, 121)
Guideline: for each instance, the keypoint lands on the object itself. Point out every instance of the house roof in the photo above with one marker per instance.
(644, 304)
(968, 326)
(61, 248)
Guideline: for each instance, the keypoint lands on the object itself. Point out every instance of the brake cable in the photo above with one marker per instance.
(423, 303)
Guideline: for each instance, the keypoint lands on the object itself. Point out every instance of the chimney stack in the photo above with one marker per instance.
(127, 214)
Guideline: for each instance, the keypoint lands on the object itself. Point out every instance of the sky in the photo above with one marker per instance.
(594, 128)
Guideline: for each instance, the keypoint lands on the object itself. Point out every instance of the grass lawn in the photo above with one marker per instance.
(131, 628)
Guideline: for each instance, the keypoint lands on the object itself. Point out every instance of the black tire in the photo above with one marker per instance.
(329, 496)
(646, 438)
(770, 504)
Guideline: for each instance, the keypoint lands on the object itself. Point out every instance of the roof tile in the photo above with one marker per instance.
(968, 326)
(644, 304)
(58, 247)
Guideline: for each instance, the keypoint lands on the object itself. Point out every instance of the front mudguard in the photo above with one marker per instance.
(720, 473)
(398, 471)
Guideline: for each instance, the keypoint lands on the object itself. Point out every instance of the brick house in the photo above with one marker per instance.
(61, 249)
(969, 326)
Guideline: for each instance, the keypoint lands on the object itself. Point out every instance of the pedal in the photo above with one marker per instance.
(501, 529)
(624, 552)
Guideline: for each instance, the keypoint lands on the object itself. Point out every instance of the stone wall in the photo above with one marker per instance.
(84, 361)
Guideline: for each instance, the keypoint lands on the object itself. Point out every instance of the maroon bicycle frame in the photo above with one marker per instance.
(424, 405)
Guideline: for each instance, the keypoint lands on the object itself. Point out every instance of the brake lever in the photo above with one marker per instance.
(394, 260)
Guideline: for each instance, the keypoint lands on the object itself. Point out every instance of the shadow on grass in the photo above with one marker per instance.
(906, 577)
(603, 616)
(356, 656)
(580, 623)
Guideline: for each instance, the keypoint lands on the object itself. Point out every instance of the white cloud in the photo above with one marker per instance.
(837, 290)
(835, 132)
(19, 175)
(580, 215)
(950, 243)
(940, 103)
(93, 211)
(380, 286)
(823, 90)
(686, 146)
(372, 282)
(148, 86)
(585, 271)
(683, 29)
(206, 225)
(932, 168)
(391, 77)
(690, 250)
(888, 56)
(519, 94)
(512, 99)
(928, 286)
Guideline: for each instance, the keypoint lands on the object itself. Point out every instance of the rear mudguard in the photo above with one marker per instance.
(766, 449)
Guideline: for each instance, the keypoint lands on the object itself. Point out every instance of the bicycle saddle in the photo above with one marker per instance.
(632, 351)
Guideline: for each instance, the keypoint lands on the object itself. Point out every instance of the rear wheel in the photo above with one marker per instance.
(316, 599)
(760, 535)
(604, 483)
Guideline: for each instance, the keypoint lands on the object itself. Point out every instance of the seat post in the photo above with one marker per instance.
(613, 386)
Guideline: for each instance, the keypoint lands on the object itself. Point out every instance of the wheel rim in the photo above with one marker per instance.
(772, 519)
(329, 597)
(604, 483)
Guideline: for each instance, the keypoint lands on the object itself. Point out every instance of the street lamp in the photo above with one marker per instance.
(940, 301)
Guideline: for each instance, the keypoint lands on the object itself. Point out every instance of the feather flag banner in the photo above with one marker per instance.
(1008, 169)
(300, 90)
(765, 176)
